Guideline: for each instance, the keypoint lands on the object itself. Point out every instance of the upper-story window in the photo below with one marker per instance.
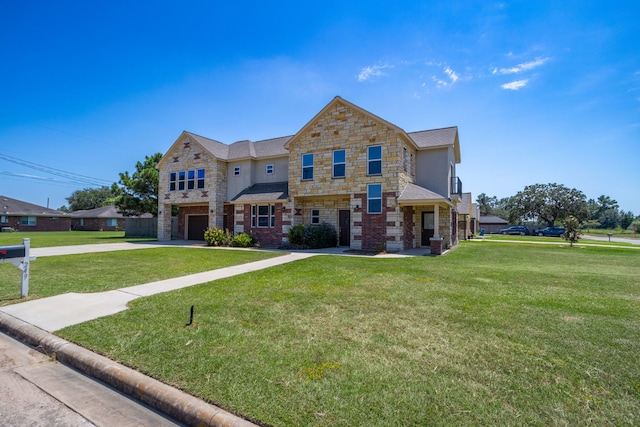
(269, 169)
(236, 171)
(405, 160)
(339, 163)
(200, 179)
(374, 160)
(190, 180)
(307, 166)
(374, 198)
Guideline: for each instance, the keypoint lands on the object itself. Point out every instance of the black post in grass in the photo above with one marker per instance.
(190, 317)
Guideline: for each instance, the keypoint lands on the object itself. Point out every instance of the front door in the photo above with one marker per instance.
(427, 228)
(196, 226)
(345, 227)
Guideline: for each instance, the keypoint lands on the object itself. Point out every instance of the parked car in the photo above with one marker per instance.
(551, 231)
(516, 229)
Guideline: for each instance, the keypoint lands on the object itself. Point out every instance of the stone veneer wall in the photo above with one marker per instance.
(343, 127)
(185, 155)
(408, 226)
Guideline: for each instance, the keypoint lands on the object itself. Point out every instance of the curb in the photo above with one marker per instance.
(166, 399)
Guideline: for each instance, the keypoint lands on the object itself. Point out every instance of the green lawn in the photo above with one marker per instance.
(112, 270)
(490, 334)
(42, 239)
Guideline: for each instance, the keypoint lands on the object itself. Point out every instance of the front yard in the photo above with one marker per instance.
(490, 334)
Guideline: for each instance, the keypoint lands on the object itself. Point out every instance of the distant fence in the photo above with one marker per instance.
(141, 227)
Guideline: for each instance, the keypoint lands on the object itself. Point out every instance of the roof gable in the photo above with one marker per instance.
(337, 101)
(215, 148)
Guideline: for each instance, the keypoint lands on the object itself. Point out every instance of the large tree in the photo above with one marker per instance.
(138, 193)
(89, 198)
(548, 203)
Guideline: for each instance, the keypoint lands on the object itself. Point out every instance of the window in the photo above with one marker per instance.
(81, 222)
(307, 166)
(28, 220)
(374, 198)
(236, 171)
(4, 219)
(186, 179)
(374, 157)
(315, 216)
(263, 216)
(191, 180)
(200, 179)
(112, 222)
(269, 169)
(404, 160)
(339, 163)
(411, 163)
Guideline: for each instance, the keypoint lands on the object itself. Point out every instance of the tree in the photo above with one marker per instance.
(572, 230)
(626, 218)
(486, 204)
(548, 203)
(90, 198)
(138, 193)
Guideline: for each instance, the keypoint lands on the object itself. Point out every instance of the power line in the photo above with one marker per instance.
(70, 176)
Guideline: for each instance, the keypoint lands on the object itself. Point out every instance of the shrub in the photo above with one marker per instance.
(242, 240)
(313, 236)
(217, 237)
(295, 234)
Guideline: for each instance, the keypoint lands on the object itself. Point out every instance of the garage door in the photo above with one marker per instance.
(196, 226)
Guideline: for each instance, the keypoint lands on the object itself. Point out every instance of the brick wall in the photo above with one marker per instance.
(42, 224)
(182, 217)
(96, 224)
(267, 237)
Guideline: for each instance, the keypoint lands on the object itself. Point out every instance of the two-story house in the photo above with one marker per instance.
(381, 187)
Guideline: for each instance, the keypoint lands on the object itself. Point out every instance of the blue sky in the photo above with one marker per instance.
(542, 92)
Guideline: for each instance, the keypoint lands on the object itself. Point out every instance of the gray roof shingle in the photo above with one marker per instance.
(9, 206)
(268, 192)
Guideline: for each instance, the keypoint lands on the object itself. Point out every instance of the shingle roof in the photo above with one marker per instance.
(435, 137)
(273, 147)
(9, 206)
(491, 219)
(412, 193)
(103, 212)
(269, 192)
(464, 206)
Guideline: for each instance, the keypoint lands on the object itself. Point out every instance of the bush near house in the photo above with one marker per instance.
(218, 237)
(313, 236)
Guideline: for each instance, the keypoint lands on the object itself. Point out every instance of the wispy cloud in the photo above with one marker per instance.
(452, 75)
(518, 84)
(372, 71)
(525, 66)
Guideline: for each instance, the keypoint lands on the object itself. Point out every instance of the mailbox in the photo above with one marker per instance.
(8, 252)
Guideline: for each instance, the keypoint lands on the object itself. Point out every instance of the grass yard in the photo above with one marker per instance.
(112, 270)
(490, 334)
(43, 239)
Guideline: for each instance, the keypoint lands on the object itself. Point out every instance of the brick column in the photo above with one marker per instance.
(435, 244)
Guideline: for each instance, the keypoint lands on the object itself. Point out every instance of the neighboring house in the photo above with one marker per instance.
(23, 216)
(381, 187)
(492, 224)
(106, 218)
(467, 216)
